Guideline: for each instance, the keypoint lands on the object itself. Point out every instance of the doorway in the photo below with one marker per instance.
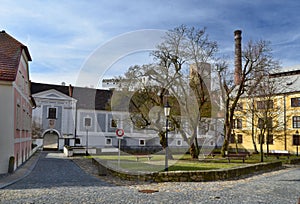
(50, 141)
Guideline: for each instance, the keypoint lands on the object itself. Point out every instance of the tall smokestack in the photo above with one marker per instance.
(238, 57)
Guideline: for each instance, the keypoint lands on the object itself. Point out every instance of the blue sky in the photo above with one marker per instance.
(63, 34)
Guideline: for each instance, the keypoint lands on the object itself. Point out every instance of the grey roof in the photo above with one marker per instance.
(87, 98)
(288, 80)
(93, 99)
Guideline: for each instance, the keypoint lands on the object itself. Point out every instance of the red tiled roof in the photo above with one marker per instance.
(10, 54)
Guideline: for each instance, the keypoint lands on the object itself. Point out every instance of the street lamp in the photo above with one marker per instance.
(167, 109)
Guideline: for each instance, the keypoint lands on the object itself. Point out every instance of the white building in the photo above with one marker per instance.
(54, 116)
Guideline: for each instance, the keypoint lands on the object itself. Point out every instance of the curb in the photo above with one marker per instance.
(23, 171)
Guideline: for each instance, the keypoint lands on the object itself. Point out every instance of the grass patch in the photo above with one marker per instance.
(178, 166)
(181, 162)
(157, 163)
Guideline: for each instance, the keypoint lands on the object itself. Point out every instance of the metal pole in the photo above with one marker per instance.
(166, 156)
(87, 142)
(297, 149)
(119, 153)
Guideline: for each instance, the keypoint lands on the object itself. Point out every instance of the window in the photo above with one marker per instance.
(270, 139)
(262, 124)
(178, 142)
(239, 106)
(239, 138)
(236, 138)
(24, 120)
(268, 104)
(18, 117)
(77, 141)
(296, 122)
(237, 124)
(52, 113)
(108, 141)
(113, 123)
(295, 102)
(142, 142)
(87, 122)
(296, 139)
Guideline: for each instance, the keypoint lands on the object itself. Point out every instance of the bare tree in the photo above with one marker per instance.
(250, 67)
(265, 112)
(184, 49)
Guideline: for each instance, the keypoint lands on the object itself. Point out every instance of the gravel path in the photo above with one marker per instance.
(57, 179)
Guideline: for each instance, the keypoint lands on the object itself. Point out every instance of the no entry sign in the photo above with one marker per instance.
(120, 132)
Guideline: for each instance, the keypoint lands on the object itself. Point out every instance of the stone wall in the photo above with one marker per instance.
(294, 161)
(187, 176)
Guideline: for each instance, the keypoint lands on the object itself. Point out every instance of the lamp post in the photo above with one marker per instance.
(167, 109)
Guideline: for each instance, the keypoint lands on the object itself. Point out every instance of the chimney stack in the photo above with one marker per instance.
(238, 57)
(70, 90)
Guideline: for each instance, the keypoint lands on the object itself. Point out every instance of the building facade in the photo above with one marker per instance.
(16, 103)
(273, 118)
(92, 120)
(53, 119)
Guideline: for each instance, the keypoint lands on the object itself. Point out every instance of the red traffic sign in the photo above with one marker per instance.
(120, 132)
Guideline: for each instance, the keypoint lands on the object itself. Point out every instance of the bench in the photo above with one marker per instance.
(279, 153)
(149, 157)
(239, 156)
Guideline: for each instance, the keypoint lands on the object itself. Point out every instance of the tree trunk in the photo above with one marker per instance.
(261, 153)
(261, 139)
(225, 146)
(252, 131)
(163, 143)
(193, 151)
(267, 140)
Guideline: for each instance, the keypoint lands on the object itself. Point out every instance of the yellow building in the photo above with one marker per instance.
(271, 117)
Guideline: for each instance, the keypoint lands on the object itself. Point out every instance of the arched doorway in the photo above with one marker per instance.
(50, 141)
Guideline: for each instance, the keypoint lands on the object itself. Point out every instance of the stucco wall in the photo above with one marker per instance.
(6, 126)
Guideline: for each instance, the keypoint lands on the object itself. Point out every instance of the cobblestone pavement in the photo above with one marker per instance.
(57, 179)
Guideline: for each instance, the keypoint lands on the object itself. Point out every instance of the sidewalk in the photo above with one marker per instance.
(21, 172)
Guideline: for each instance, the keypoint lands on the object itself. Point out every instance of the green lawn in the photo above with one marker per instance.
(157, 163)
(180, 162)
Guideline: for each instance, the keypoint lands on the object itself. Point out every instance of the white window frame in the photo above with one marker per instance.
(144, 142)
(48, 110)
(179, 142)
(84, 122)
(108, 143)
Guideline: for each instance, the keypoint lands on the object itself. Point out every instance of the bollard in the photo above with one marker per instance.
(11, 164)
(102, 171)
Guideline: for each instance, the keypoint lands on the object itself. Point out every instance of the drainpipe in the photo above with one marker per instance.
(284, 120)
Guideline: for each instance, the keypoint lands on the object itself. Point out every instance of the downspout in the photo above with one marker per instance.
(284, 121)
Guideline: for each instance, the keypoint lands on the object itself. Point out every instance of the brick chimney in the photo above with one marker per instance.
(238, 57)
(70, 90)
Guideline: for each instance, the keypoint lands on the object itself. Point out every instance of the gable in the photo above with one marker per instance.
(52, 94)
